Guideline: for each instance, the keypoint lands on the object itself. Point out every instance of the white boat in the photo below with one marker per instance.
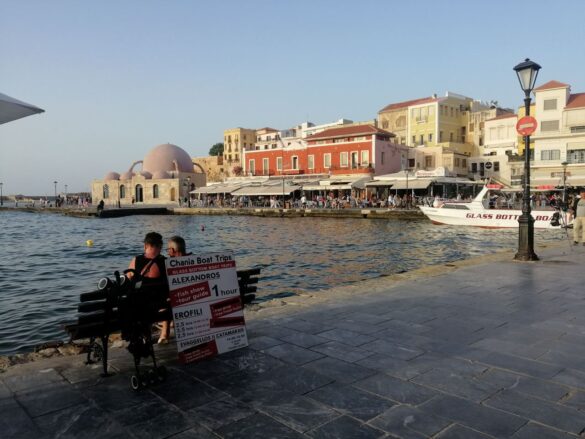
(479, 213)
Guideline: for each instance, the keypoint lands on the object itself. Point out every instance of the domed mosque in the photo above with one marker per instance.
(167, 176)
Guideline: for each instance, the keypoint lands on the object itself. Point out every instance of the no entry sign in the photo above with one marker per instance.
(526, 126)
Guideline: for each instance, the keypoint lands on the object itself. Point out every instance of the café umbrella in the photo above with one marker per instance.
(13, 109)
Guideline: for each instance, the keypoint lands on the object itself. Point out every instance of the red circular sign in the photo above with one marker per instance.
(526, 126)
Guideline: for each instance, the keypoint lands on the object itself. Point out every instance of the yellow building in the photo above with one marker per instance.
(234, 140)
(394, 118)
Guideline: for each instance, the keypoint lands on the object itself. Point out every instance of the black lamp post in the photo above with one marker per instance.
(564, 164)
(1, 197)
(406, 202)
(527, 72)
(55, 183)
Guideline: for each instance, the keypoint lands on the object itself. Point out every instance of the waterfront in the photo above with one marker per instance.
(45, 263)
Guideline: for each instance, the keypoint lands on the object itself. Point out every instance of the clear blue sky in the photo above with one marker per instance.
(117, 78)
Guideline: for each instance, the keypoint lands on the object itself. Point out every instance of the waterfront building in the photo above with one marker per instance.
(167, 176)
(266, 138)
(497, 156)
(349, 150)
(213, 167)
(476, 119)
(234, 140)
(560, 136)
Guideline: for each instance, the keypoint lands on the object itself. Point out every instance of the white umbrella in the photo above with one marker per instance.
(12, 109)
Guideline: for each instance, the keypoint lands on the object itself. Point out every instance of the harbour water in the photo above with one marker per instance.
(45, 263)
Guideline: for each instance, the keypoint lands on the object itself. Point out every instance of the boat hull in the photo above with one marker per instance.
(487, 218)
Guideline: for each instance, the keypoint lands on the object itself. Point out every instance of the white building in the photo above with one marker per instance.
(560, 136)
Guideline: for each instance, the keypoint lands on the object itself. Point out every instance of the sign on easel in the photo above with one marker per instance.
(206, 304)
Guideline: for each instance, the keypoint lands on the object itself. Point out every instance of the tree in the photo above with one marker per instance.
(237, 170)
(216, 150)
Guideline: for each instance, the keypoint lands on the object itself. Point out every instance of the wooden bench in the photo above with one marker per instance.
(118, 306)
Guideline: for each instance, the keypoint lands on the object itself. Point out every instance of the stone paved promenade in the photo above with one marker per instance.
(491, 349)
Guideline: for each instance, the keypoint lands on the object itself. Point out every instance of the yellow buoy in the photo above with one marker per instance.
(89, 243)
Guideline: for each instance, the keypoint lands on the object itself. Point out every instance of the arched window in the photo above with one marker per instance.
(106, 191)
(122, 192)
(155, 191)
(139, 194)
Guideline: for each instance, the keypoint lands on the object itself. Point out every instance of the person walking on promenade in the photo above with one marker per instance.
(579, 222)
(175, 247)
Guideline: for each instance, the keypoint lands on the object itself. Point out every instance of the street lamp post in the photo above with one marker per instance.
(564, 164)
(407, 202)
(55, 183)
(527, 72)
(189, 191)
(1, 196)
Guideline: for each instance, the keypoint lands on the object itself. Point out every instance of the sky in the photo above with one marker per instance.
(117, 78)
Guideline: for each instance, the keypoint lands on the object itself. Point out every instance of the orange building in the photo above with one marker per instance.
(358, 149)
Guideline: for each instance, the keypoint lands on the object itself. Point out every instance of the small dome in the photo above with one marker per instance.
(160, 174)
(145, 174)
(112, 176)
(126, 176)
(164, 157)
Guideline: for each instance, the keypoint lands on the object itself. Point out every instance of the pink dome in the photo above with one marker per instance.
(145, 174)
(163, 158)
(126, 176)
(112, 176)
(161, 174)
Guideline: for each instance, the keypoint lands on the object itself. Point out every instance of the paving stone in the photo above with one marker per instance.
(114, 394)
(5, 392)
(15, 423)
(554, 415)
(528, 385)
(396, 390)
(154, 420)
(263, 342)
(248, 387)
(575, 399)
(351, 401)
(218, 413)
(347, 427)
(290, 353)
(358, 326)
(197, 432)
(458, 384)
(306, 326)
(342, 351)
(392, 349)
(478, 417)
(409, 422)
(185, 392)
(299, 380)
(305, 340)
(50, 399)
(524, 366)
(348, 337)
(41, 378)
(570, 377)
(251, 360)
(534, 431)
(258, 426)
(339, 370)
(88, 375)
(297, 412)
(80, 422)
(459, 432)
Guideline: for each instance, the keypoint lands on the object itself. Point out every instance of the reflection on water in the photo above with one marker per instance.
(45, 265)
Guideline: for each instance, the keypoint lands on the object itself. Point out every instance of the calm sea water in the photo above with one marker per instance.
(45, 263)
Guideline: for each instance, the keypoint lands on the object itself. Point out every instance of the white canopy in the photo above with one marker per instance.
(13, 109)
(266, 190)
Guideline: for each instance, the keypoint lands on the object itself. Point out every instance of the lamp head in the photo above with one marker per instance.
(527, 72)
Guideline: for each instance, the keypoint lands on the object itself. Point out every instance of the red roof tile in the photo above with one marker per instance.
(576, 100)
(407, 104)
(503, 116)
(551, 84)
(354, 130)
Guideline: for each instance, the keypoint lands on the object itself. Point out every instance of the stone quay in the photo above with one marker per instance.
(484, 348)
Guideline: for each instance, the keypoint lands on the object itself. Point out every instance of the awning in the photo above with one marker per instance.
(412, 184)
(216, 189)
(13, 109)
(380, 183)
(251, 191)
